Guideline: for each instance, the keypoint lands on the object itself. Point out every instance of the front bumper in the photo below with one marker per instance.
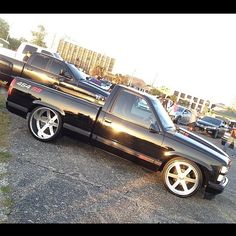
(214, 188)
(206, 128)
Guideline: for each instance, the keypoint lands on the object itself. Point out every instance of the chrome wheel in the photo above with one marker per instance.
(44, 123)
(182, 177)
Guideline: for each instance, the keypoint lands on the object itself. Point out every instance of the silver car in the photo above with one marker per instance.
(180, 115)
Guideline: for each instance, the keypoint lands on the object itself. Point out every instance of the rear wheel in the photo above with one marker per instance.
(182, 177)
(44, 123)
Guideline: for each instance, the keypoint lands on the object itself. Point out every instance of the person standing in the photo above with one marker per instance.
(192, 120)
(167, 104)
(231, 140)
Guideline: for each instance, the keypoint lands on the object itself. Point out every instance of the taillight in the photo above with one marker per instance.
(13, 82)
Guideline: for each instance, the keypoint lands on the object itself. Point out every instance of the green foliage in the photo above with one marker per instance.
(15, 43)
(183, 103)
(4, 29)
(155, 92)
(39, 36)
(173, 98)
(4, 157)
(206, 110)
(4, 123)
(5, 189)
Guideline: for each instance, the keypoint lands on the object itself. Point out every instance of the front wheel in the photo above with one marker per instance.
(178, 120)
(44, 123)
(215, 134)
(182, 177)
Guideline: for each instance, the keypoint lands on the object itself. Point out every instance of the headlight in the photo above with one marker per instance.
(220, 178)
(224, 169)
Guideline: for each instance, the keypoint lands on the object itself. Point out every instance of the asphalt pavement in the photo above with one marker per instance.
(69, 181)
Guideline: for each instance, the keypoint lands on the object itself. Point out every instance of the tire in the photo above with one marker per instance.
(215, 134)
(178, 120)
(44, 123)
(182, 177)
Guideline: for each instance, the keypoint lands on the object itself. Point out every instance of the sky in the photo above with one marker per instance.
(192, 53)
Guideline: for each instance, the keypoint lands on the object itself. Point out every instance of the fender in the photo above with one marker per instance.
(172, 154)
(38, 102)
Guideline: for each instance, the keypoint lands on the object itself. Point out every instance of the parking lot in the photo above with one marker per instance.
(69, 181)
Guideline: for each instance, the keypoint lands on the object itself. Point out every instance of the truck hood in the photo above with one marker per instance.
(189, 139)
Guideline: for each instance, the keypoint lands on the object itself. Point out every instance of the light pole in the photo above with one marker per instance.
(7, 37)
(154, 79)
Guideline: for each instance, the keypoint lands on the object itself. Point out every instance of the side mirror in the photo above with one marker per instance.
(154, 128)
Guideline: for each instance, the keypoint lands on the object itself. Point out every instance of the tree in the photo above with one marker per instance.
(155, 92)
(38, 36)
(4, 29)
(173, 98)
(98, 70)
(184, 103)
(205, 110)
(15, 43)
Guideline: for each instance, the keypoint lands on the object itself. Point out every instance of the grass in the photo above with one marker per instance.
(4, 156)
(6, 201)
(3, 175)
(2, 101)
(5, 189)
(4, 123)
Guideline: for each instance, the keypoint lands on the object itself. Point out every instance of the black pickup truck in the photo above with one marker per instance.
(123, 127)
(52, 72)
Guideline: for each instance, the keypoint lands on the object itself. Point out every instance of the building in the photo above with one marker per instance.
(84, 58)
(194, 102)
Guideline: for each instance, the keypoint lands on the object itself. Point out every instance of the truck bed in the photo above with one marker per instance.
(79, 113)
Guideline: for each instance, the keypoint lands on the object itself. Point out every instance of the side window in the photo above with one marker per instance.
(47, 52)
(133, 108)
(56, 68)
(40, 61)
(29, 48)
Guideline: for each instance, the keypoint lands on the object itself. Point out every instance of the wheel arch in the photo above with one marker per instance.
(205, 169)
(37, 103)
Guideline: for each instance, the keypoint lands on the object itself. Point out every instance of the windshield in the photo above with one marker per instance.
(162, 114)
(212, 120)
(77, 73)
(180, 109)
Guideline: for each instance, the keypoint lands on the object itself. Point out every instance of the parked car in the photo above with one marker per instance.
(214, 126)
(180, 115)
(124, 127)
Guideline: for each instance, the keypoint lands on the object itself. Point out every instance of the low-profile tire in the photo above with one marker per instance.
(182, 177)
(44, 123)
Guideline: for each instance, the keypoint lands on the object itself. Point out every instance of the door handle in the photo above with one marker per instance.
(108, 121)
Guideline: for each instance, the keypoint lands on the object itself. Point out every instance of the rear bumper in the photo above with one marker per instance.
(16, 109)
(214, 188)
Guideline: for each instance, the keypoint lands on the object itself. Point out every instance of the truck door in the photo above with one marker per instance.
(127, 127)
(36, 70)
